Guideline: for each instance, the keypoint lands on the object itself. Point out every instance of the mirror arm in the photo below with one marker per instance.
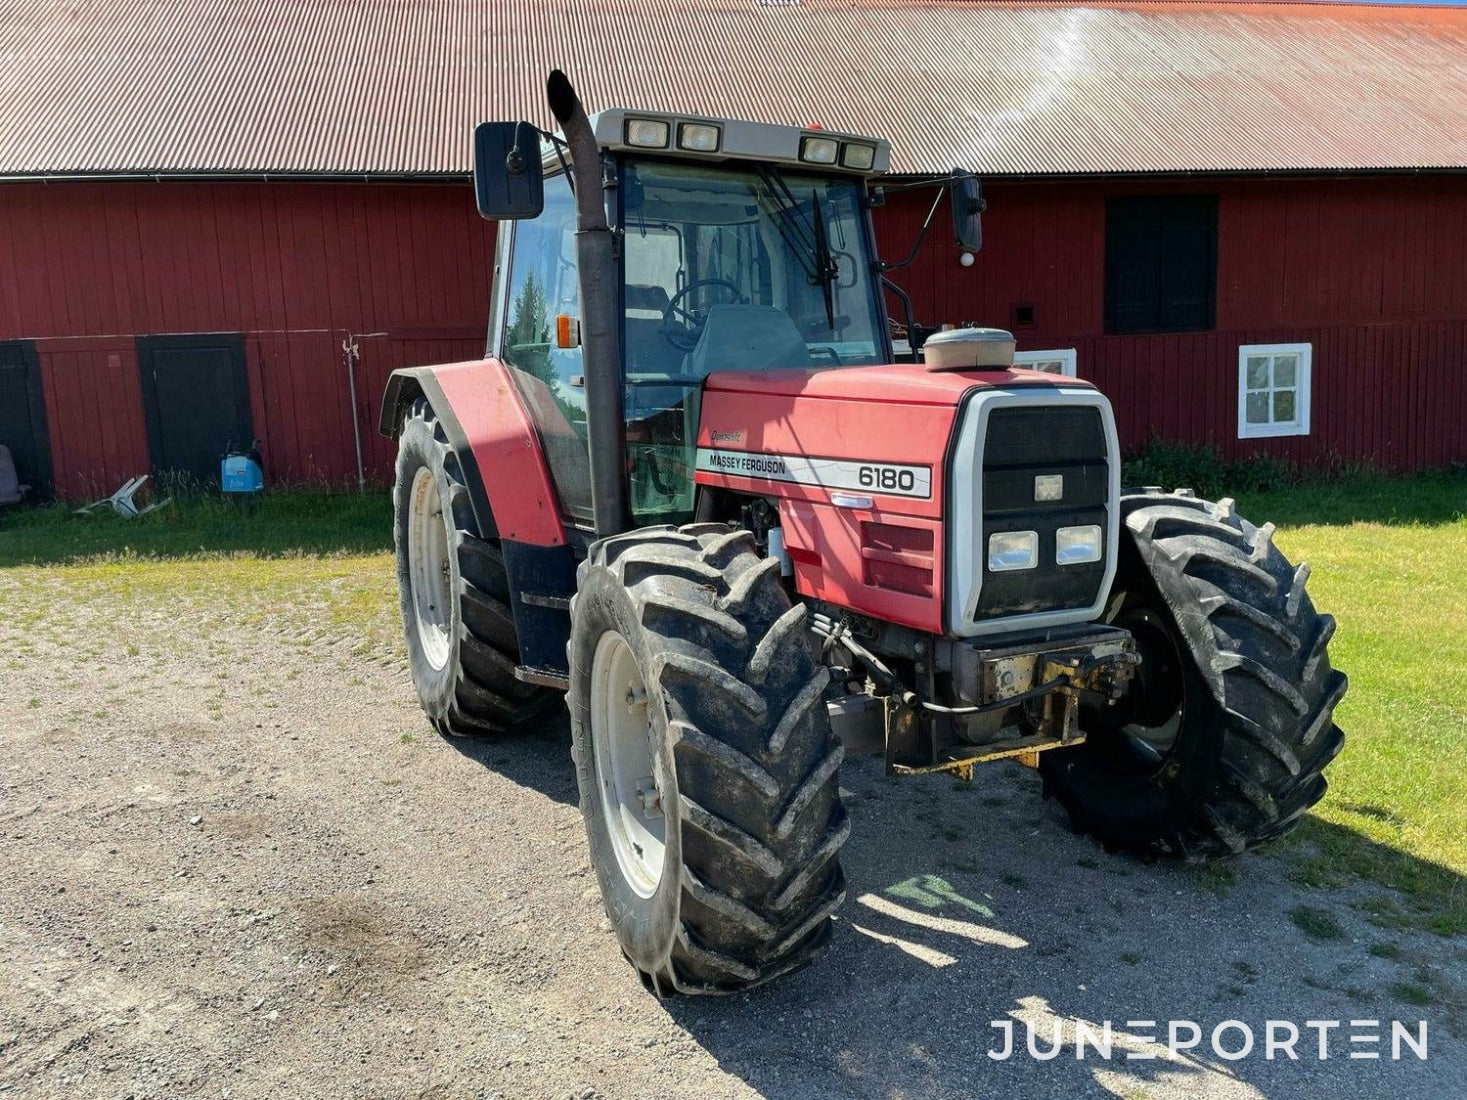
(906, 301)
(560, 148)
(916, 185)
(921, 236)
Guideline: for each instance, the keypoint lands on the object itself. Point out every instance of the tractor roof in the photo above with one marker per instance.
(699, 137)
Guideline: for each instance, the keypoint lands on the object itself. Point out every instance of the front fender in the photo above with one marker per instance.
(495, 441)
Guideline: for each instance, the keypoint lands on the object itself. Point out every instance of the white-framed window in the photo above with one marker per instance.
(1056, 361)
(1273, 389)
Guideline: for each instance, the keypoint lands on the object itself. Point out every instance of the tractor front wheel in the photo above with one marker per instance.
(454, 593)
(1221, 741)
(705, 758)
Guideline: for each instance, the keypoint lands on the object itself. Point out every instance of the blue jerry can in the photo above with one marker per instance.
(241, 474)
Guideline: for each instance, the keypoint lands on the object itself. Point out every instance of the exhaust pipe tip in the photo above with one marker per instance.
(562, 96)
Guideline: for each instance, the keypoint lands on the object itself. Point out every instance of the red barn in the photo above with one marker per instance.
(223, 219)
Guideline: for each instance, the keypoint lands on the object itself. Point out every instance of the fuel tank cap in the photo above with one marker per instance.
(969, 349)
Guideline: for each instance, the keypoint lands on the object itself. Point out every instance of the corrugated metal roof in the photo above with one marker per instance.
(347, 87)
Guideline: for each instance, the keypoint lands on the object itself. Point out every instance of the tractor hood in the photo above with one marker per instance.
(878, 474)
(818, 431)
(896, 383)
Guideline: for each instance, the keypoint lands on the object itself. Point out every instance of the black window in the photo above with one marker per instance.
(1160, 263)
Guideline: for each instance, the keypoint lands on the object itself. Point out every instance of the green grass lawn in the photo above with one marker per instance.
(319, 561)
(272, 526)
(1388, 561)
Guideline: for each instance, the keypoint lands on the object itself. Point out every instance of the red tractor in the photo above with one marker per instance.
(692, 487)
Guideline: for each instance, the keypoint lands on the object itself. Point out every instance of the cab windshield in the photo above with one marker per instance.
(731, 269)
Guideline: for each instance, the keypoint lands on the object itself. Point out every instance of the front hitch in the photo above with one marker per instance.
(1028, 694)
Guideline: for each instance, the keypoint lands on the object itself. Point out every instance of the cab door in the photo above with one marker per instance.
(538, 280)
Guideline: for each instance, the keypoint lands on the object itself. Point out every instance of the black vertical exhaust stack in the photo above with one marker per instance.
(600, 300)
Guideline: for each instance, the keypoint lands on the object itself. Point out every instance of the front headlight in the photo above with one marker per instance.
(1012, 550)
(858, 156)
(1077, 545)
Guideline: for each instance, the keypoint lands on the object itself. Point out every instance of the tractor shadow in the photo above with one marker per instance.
(538, 759)
(969, 905)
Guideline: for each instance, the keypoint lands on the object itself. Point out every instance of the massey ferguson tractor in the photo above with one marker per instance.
(692, 487)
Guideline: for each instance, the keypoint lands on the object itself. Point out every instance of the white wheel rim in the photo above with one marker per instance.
(428, 568)
(621, 735)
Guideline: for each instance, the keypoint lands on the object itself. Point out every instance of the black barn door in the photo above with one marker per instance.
(196, 396)
(23, 417)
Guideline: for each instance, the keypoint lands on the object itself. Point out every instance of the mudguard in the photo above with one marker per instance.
(513, 497)
(491, 432)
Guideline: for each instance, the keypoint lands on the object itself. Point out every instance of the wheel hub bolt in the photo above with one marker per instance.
(650, 796)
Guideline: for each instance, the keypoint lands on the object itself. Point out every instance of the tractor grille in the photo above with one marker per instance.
(1028, 442)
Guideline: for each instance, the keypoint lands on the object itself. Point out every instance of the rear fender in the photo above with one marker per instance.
(489, 429)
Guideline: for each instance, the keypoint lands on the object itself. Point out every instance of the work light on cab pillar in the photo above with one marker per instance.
(694, 489)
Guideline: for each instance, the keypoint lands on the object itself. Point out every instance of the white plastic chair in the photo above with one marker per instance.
(12, 489)
(124, 501)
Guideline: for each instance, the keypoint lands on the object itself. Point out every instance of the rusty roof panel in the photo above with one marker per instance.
(364, 87)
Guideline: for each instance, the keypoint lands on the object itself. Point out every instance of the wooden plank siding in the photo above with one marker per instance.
(1372, 272)
(1369, 270)
(87, 268)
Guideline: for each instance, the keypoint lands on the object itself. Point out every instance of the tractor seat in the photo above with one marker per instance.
(739, 337)
(645, 302)
(647, 349)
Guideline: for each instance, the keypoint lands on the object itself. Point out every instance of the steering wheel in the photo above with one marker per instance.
(683, 326)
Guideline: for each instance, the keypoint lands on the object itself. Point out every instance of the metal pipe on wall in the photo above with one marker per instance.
(353, 355)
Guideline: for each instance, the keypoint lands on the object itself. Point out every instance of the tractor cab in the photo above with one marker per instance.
(741, 246)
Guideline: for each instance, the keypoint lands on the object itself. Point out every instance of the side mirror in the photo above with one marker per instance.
(508, 181)
(966, 194)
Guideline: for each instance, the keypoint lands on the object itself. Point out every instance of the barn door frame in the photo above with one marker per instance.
(45, 480)
(153, 416)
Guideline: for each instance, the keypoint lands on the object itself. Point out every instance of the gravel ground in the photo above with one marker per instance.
(237, 862)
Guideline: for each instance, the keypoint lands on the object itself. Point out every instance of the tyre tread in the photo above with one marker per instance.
(487, 697)
(735, 668)
(1262, 651)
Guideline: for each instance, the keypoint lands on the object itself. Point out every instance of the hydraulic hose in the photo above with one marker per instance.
(837, 633)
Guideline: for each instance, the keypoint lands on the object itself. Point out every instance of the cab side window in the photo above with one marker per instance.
(543, 286)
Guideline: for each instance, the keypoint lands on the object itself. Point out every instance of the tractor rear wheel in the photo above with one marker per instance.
(1222, 739)
(705, 758)
(454, 593)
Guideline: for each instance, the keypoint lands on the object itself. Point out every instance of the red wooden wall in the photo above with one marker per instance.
(1371, 271)
(86, 268)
